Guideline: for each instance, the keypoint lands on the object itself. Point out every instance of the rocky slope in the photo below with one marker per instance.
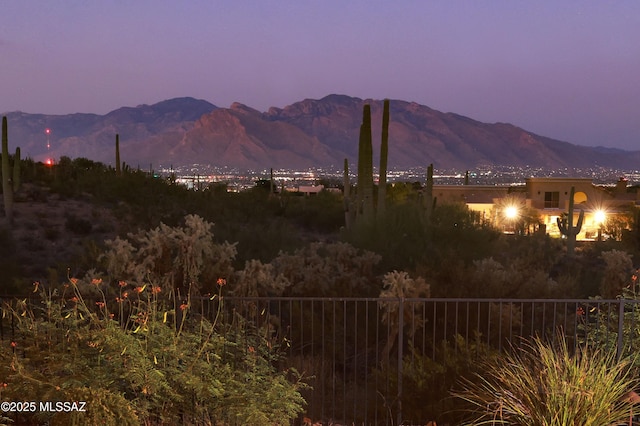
(312, 132)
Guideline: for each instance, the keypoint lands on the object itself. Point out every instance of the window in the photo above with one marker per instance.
(551, 200)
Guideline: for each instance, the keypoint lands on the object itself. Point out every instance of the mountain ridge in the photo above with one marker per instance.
(308, 133)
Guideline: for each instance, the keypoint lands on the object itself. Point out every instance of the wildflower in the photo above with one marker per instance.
(156, 289)
(221, 282)
(140, 289)
(74, 281)
(125, 295)
(184, 306)
(111, 316)
(74, 299)
(100, 304)
(122, 283)
(14, 344)
(4, 385)
(96, 281)
(252, 349)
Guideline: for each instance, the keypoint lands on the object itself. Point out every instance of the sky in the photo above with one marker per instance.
(569, 70)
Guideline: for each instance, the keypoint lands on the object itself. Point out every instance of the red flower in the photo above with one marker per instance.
(221, 282)
(122, 283)
(184, 306)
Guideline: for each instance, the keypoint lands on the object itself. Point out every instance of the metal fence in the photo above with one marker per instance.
(375, 361)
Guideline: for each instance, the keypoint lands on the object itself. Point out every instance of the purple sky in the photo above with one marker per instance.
(569, 70)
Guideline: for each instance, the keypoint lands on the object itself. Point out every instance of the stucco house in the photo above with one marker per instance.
(547, 199)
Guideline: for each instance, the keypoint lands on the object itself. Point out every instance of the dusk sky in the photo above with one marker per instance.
(569, 70)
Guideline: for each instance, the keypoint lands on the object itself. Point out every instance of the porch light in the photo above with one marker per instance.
(511, 212)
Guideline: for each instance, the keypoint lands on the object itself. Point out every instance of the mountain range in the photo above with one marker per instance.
(309, 133)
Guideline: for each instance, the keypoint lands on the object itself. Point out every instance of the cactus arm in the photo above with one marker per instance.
(580, 220)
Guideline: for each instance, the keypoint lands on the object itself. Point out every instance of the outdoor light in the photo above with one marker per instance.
(599, 216)
(511, 212)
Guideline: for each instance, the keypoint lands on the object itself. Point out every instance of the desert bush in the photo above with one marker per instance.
(153, 366)
(329, 269)
(549, 384)
(183, 258)
(603, 324)
(618, 269)
(427, 380)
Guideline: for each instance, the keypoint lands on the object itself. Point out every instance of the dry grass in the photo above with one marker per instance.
(546, 384)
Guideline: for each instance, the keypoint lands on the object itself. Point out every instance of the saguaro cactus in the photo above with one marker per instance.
(566, 227)
(429, 200)
(118, 170)
(365, 166)
(16, 171)
(346, 183)
(384, 152)
(7, 190)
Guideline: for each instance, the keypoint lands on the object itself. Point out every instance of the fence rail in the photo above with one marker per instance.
(381, 361)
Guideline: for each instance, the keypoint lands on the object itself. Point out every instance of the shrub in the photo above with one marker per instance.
(546, 384)
(151, 360)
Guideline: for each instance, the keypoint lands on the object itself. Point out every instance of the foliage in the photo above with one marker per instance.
(330, 270)
(602, 325)
(426, 380)
(399, 285)
(258, 279)
(143, 363)
(7, 186)
(182, 258)
(9, 264)
(546, 384)
(618, 268)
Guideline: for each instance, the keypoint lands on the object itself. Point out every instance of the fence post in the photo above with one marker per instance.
(400, 357)
(620, 329)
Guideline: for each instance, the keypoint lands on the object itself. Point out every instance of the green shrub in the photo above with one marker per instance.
(142, 358)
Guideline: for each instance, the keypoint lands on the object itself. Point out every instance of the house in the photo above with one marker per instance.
(544, 200)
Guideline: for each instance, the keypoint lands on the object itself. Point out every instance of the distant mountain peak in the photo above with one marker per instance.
(311, 132)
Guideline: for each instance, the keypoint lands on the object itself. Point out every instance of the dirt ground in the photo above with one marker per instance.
(56, 233)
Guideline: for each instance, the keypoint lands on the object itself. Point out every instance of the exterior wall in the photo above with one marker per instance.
(469, 194)
(537, 187)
